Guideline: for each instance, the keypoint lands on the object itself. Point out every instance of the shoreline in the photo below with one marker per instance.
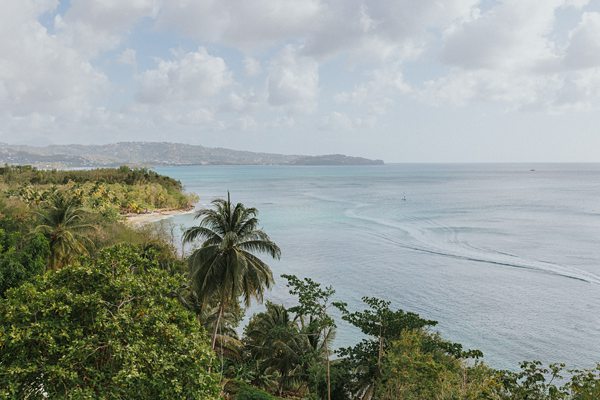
(155, 216)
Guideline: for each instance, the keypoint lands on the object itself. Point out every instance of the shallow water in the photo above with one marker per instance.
(505, 258)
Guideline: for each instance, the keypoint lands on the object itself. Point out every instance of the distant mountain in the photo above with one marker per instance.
(333, 159)
(155, 154)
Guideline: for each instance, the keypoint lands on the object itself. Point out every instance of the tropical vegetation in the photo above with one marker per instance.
(104, 327)
(225, 267)
(91, 308)
(110, 192)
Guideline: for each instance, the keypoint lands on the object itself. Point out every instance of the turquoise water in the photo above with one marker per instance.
(505, 258)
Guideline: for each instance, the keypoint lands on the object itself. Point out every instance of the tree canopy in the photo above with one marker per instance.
(108, 327)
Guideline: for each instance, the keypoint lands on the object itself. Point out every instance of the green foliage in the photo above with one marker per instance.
(106, 191)
(225, 262)
(537, 382)
(111, 328)
(237, 390)
(413, 370)
(63, 222)
(318, 327)
(313, 301)
(22, 255)
(381, 321)
(25, 174)
(287, 349)
(124, 318)
(225, 267)
(21, 258)
(277, 346)
(383, 326)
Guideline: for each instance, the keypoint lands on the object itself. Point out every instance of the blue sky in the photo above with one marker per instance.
(458, 80)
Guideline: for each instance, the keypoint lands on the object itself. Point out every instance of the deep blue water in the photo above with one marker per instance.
(505, 258)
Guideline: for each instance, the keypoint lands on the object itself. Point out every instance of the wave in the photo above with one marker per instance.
(416, 230)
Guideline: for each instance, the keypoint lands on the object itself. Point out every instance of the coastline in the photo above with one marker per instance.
(155, 216)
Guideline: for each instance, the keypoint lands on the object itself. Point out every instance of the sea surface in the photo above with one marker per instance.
(505, 256)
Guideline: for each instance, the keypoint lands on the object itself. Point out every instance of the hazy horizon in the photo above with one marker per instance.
(459, 81)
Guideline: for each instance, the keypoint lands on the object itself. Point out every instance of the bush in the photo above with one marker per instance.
(107, 191)
(242, 391)
(22, 255)
(109, 328)
(21, 258)
(414, 370)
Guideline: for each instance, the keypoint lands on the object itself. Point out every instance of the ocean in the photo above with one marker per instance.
(505, 256)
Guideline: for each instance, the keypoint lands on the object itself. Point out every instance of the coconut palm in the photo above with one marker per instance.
(227, 339)
(226, 266)
(275, 342)
(62, 221)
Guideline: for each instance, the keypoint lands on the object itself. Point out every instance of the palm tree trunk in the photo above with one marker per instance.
(328, 373)
(380, 353)
(214, 338)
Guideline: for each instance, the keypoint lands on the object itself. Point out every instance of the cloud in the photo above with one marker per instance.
(267, 65)
(512, 34)
(340, 121)
(252, 66)
(293, 80)
(509, 54)
(39, 74)
(364, 30)
(514, 91)
(374, 97)
(383, 29)
(243, 24)
(241, 102)
(583, 50)
(195, 75)
(580, 90)
(94, 26)
(127, 57)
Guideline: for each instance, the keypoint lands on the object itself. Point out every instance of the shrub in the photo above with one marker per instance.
(108, 328)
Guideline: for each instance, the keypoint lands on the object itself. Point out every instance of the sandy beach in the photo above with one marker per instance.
(155, 216)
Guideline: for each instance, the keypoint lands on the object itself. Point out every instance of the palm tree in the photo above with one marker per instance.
(63, 223)
(227, 338)
(225, 265)
(275, 342)
(320, 333)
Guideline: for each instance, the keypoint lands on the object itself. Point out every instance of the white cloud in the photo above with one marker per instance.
(241, 102)
(509, 55)
(246, 123)
(384, 29)
(365, 30)
(39, 74)
(293, 80)
(513, 34)
(337, 121)
(580, 91)
(252, 66)
(514, 91)
(377, 94)
(245, 24)
(94, 26)
(338, 65)
(127, 57)
(191, 76)
(340, 121)
(584, 45)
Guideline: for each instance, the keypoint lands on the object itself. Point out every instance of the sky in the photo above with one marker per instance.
(398, 80)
